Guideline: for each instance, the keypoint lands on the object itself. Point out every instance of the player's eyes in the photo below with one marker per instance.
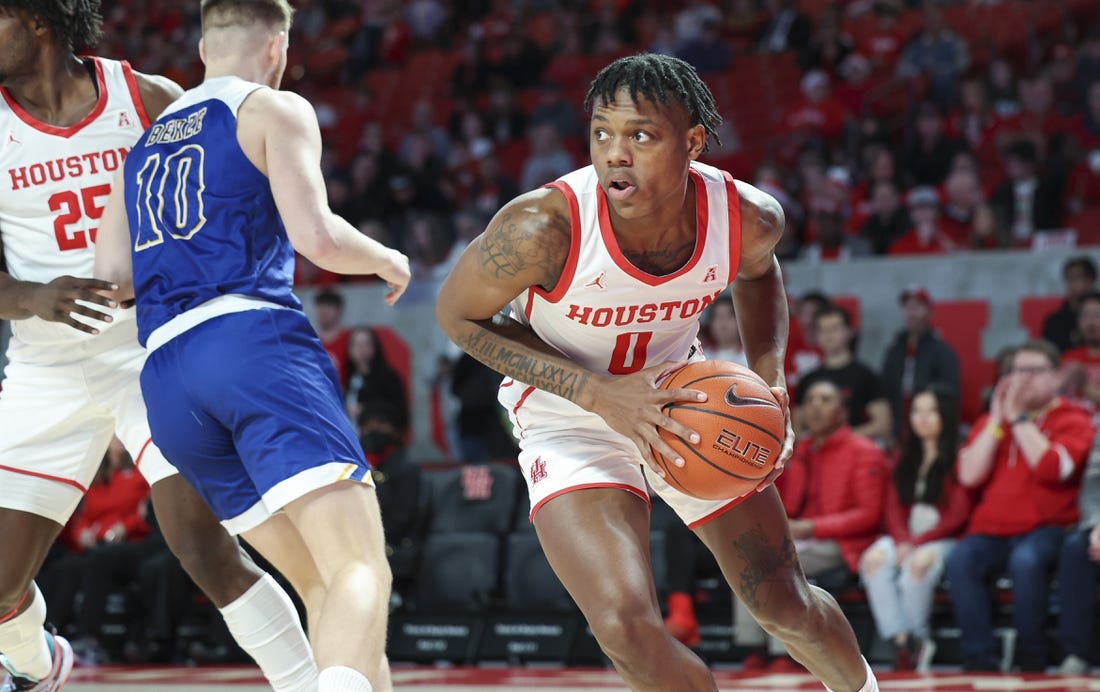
(641, 136)
(599, 135)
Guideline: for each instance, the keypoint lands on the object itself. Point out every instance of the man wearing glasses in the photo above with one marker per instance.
(1026, 455)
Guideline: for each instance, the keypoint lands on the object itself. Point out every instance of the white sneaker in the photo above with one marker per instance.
(1073, 665)
(59, 673)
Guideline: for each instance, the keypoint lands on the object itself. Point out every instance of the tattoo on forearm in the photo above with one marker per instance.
(522, 364)
(764, 563)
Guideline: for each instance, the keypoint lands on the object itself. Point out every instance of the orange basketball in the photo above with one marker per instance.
(741, 427)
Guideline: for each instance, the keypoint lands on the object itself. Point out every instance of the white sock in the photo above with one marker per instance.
(342, 679)
(264, 623)
(23, 641)
(871, 685)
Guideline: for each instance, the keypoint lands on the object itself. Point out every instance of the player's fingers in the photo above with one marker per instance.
(686, 395)
(89, 284)
(91, 312)
(97, 298)
(658, 444)
(78, 325)
(657, 373)
(397, 290)
(678, 429)
(649, 457)
(767, 482)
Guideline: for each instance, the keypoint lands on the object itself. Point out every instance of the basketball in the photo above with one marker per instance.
(741, 427)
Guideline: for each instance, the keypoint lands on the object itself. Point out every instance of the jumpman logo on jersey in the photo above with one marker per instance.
(12, 139)
(124, 120)
(597, 282)
(712, 274)
(538, 469)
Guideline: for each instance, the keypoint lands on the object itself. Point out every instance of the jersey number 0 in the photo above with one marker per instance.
(169, 197)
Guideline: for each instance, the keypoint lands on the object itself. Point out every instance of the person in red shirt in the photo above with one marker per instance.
(1026, 455)
(1081, 365)
(926, 509)
(818, 114)
(927, 236)
(834, 486)
(328, 308)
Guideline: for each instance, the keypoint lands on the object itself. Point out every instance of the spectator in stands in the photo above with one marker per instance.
(833, 491)
(552, 108)
(482, 435)
(889, 219)
(111, 527)
(803, 353)
(1037, 121)
(493, 186)
(1081, 364)
(926, 509)
(1078, 570)
(831, 241)
(1088, 58)
(883, 41)
(397, 481)
(1026, 455)
(505, 120)
(962, 199)
(917, 358)
(1003, 93)
(1026, 201)
(868, 409)
(709, 52)
(548, 160)
(937, 54)
(786, 27)
(818, 114)
(828, 46)
(928, 158)
(927, 236)
(686, 561)
(720, 334)
(1060, 326)
(975, 122)
(371, 378)
(328, 315)
(422, 124)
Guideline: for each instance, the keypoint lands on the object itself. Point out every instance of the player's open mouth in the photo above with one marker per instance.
(619, 189)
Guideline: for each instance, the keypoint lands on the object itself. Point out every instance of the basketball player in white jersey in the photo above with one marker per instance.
(66, 124)
(606, 272)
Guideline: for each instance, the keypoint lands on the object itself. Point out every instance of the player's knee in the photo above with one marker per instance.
(627, 631)
(789, 609)
(219, 567)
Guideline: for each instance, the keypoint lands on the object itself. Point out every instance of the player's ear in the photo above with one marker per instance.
(277, 46)
(697, 141)
(202, 50)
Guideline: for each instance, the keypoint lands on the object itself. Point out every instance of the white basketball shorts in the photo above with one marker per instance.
(563, 453)
(56, 422)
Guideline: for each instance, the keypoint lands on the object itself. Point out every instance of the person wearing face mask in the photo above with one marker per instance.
(382, 435)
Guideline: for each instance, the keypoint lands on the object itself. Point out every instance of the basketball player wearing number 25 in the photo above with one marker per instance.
(665, 235)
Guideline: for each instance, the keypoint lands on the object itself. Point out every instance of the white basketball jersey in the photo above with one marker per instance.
(54, 183)
(610, 316)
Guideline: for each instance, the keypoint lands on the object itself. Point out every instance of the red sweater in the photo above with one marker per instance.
(839, 486)
(116, 501)
(1017, 499)
(954, 507)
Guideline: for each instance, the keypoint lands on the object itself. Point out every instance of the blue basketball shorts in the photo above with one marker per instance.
(248, 407)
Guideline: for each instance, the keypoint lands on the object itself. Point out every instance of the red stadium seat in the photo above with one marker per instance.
(1033, 311)
(961, 323)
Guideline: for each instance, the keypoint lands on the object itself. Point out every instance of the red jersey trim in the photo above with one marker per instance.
(589, 486)
(71, 130)
(733, 201)
(522, 398)
(702, 219)
(570, 268)
(45, 476)
(135, 94)
(137, 462)
(721, 510)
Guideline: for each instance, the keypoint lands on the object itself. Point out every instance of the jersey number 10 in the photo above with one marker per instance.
(169, 197)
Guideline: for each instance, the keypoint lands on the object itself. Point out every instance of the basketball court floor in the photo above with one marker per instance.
(245, 679)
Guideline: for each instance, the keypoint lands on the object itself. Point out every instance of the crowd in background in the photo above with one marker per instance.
(888, 133)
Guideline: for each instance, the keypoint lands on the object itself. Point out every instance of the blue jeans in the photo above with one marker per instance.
(1076, 594)
(1028, 560)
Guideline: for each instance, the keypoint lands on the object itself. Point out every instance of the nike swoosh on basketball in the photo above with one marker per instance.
(734, 399)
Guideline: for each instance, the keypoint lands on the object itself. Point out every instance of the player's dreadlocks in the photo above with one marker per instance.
(74, 24)
(658, 77)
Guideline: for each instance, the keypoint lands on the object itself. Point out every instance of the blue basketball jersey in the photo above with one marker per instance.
(202, 218)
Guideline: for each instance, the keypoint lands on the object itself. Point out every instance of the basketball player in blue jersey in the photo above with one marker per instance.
(215, 198)
(72, 378)
(607, 271)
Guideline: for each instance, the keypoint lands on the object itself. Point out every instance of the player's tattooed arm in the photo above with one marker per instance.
(525, 245)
